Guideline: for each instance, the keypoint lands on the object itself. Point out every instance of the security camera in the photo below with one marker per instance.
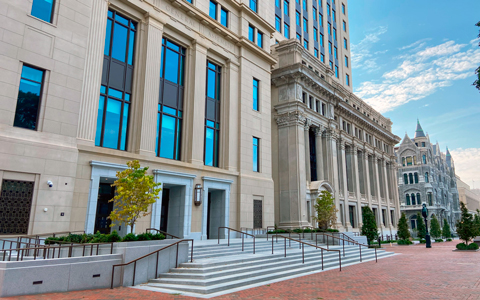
(50, 183)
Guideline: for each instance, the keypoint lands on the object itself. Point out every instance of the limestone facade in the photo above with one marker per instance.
(426, 175)
(468, 196)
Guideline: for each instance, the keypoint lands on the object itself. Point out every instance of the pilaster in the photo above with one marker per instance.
(345, 186)
(319, 154)
(356, 173)
(308, 174)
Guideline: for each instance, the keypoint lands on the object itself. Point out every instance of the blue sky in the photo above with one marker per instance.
(416, 59)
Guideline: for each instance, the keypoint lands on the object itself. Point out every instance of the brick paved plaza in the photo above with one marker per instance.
(417, 273)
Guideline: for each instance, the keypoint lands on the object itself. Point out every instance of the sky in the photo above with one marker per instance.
(417, 59)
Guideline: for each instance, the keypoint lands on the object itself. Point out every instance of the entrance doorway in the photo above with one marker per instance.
(215, 213)
(172, 216)
(106, 192)
(164, 213)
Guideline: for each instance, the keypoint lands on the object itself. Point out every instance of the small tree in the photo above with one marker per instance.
(369, 227)
(435, 229)
(421, 229)
(466, 228)
(446, 229)
(135, 192)
(326, 213)
(402, 227)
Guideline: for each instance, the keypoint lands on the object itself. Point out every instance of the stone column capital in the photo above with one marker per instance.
(291, 118)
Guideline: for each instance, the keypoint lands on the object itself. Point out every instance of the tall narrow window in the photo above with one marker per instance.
(320, 19)
(335, 52)
(286, 8)
(28, 100)
(344, 26)
(278, 24)
(43, 9)
(277, 3)
(305, 25)
(416, 177)
(305, 44)
(253, 5)
(424, 159)
(224, 17)
(407, 198)
(212, 12)
(297, 18)
(405, 178)
(286, 30)
(345, 43)
(329, 27)
(343, 8)
(212, 115)
(410, 176)
(328, 9)
(426, 177)
(251, 33)
(336, 71)
(315, 52)
(170, 102)
(334, 34)
(314, 14)
(346, 61)
(304, 4)
(115, 92)
(322, 57)
(315, 34)
(256, 84)
(333, 16)
(347, 79)
(321, 40)
(259, 39)
(256, 160)
(330, 48)
(419, 201)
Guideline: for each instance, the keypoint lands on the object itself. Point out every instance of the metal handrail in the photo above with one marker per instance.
(162, 232)
(46, 250)
(146, 255)
(289, 231)
(303, 249)
(354, 242)
(243, 237)
(253, 229)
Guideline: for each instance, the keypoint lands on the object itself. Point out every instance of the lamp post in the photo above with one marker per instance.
(427, 236)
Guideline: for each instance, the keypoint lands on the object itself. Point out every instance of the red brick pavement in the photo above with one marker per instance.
(418, 273)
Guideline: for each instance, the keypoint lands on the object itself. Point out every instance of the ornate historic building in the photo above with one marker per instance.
(426, 175)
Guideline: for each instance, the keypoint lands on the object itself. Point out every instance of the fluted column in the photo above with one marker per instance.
(345, 186)
(306, 129)
(92, 75)
(151, 87)
(387, 195)
(332, 168)
(356, 173)
(377, 187)
(367, 177)
(319, 154)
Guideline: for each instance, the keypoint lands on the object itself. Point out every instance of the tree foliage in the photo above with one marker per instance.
(421, 229)
(369, 227)
(446, 229)
(403, 232)
(466, 227)
(435, 230)
(476, 83)
(135, 192)
(326, 213)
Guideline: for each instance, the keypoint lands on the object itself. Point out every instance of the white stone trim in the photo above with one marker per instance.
(218, 184)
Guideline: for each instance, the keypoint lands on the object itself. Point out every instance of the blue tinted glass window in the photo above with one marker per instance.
(43, 9)
(167, 142)
(162, 60)
(98, 133)
(255, 94)
(304, 4)
(189, 1)
(211, 83)
(345, 43)
(297, 18)
(278, 24)
(171, 64)
(314, 14)
(131, 44)
(213, 10)
(251, 33)
(255, 154)
(343, 8)
(329, 29)
(212, 117)
(224, 17)
(286, 7)
(28, 100)
(328, 9)
(330, 48)
(121, 19)
(253, 5)
(119, 44)
(108, 36)
(344, 26)
(333, 15)
(277, 3)
(346, 61)
(112, 124)
(334, 34)
(321, 40)
(315, 52)
(286, 31)
(260, 39)
(305, 44)
(123, 140)
(315, 34)
(299, 37)
(305, 25)
(322, 58)
(347, 79)
(169, 110)
(335, 53)
(115, 93)
(209, 146)
(336, 71)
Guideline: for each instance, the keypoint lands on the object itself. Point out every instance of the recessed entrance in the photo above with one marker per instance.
(216, 213)
(172, 217)
(105, 193)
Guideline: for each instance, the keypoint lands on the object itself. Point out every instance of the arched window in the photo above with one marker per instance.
(405, 178)
(410, 176)
(424, 159)
(403, 161)
(429, 198)
(426, 177)
(407, 197)
(418, 199)
(413, 221)
(416, 177)
(413, 199)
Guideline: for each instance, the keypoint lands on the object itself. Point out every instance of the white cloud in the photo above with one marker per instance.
(362, 58)
(421, 73)
(467, 163)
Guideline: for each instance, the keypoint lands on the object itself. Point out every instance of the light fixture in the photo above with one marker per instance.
(197, 199)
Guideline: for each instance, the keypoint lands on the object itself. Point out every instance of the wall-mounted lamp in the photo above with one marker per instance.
(197, 198)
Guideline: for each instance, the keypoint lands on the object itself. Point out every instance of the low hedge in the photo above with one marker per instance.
(423, 241)
(449, 240)
(439, 240)
(404, 242)
(299, 230)
(103, 238)
(463, 246)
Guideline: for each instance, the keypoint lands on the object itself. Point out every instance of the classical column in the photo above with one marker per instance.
(291, 169)
(367, 177)
(151, 87)
(231, 113)
(319, 154)
(195, 99)
(377, 187)
(356, 173)
(387, 195)
(345, 185)
(306, 128)
(92, 76)
(332, 168)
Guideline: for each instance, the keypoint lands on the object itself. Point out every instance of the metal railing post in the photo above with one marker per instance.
(322, 259)
(340, 261)
(360, 247)
(303, 254)
(176, 261)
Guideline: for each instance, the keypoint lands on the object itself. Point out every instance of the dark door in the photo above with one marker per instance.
(15, 205)
(351, 211)
(164, 213)
(257, 214)
(208, 214)
(106, 192)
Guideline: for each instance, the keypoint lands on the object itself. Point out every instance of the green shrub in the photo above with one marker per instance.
(449, 240)
(158, 236)
(131, 237)
(332, 230)
(388, 242)
(404, 242)
(114, 237)
(472, 246)
(51, 240)
(422, 241)
(144, 236)
(462, 246)
(438, 240)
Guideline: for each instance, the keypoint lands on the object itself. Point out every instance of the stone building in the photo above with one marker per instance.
(468, 196)
(324, 137)
(198, 91)
(426, 175)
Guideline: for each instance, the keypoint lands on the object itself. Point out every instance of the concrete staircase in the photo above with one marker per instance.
(219, 269)
(359, 239)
